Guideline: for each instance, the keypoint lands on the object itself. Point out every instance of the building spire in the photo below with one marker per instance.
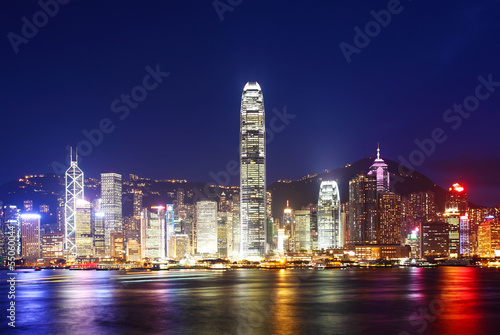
(378, 150)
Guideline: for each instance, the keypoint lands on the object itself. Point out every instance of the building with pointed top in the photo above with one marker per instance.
(253, 227)
(379, 170)
(74, 192)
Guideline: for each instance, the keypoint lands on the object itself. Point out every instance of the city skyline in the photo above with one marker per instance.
(341, 109)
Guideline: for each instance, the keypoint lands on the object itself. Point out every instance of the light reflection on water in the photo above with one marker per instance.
(254, 302)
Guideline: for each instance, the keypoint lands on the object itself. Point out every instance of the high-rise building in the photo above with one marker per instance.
(83, 225)
(99, 235)
(252, 172)
(464, 232)
(28, 205)
(418, 208)
(288, 223)
(206, 222)
(179, 247)
(11, 230)
(435, 239)
(389, 218)
(489, 238)
(74, 192)
(379, 171)
(452, 219)
(329, 229)
(153, 232)
(302, 230)
(236, 226)
(362, 220)
(456, 198)
(111, 206)
(52, 246)
(30, 235)
(169, 225)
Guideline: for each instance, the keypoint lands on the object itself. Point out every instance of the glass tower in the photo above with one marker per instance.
(252, 172)
(329, 216)
(74, 192)
(111, 206)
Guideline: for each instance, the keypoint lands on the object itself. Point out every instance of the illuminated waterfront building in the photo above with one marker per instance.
(11, 229)
(456, 206)
(456, 198)
(362, 221)
(206, 217)
(153, 232)
(389, 218)
(169, 225)
(111, 206)
(329, 216)
(452, 219)
(288, 223)
(83, 227)
(117, 245)
(302, 230)
(179, 247)
(435, 237)
(52, 246)
(99, 235)
(413, 241)
(379, 171)
(252, 172)
(489, 238)
(133, 250)
(236, 226)
(74, 192)
(30, 235)
(418, 208)
(464, 233)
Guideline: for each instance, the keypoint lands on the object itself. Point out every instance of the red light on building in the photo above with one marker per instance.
(457, 187)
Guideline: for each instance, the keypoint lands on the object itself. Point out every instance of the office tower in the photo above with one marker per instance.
(389, 218)
(236, 226)
(28, 205)
(117, 245)
(83, 225)
(488, 241)
(329, 216)
(413, 240)
(288, 223)
(379, 171)
(169, 225)
(153, 232)
(179, 247)
(222, 244)
(362, 221)
(456, 198)
(74, 192)
(435, 239)
(452, 219)
(111, 205)
(252, 172)
(464, 233)
(206, 222)
(53, 246)
(302, 230)
(133, 248)
(30, 235)
(11, 230)
(344, 223)
(136, 204)
(99, 235)
(418, 208)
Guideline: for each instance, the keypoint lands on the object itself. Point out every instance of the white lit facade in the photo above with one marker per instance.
(206, 216)
(252, 172)
(74, 192)
(111, 206)
(30, 236)
(329, 216)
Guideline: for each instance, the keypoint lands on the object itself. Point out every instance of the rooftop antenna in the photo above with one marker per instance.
(378, 150)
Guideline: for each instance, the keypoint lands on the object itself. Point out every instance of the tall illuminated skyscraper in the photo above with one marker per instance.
(379, 170)
(111, 206)
(455, 208)
(252, 172)
(30, 235)
(83, 223)
(74, 192)
(362, 221)
(206, 217)
(153, 232)
(329, 216)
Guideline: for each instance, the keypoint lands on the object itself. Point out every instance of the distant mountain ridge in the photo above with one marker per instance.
(305, 191)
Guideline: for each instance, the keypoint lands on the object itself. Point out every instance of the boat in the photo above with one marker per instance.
(319, 266)
(38, 269)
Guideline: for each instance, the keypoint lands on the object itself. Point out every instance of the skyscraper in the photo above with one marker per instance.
(83, 224)
(379, 170)
(329, 216)
(153, 232)
(206, 217)
(30, 235)
(111, 206)
(362, 221)
(455, 208)
(252, 172)
(74, 192)
(302, 230)
(389, 218)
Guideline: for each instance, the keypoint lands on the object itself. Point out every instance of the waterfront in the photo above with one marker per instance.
(444, 300)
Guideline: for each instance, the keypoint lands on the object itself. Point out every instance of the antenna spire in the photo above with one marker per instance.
(378, 150)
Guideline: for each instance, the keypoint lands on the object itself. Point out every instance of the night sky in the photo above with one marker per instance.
(396, 88)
